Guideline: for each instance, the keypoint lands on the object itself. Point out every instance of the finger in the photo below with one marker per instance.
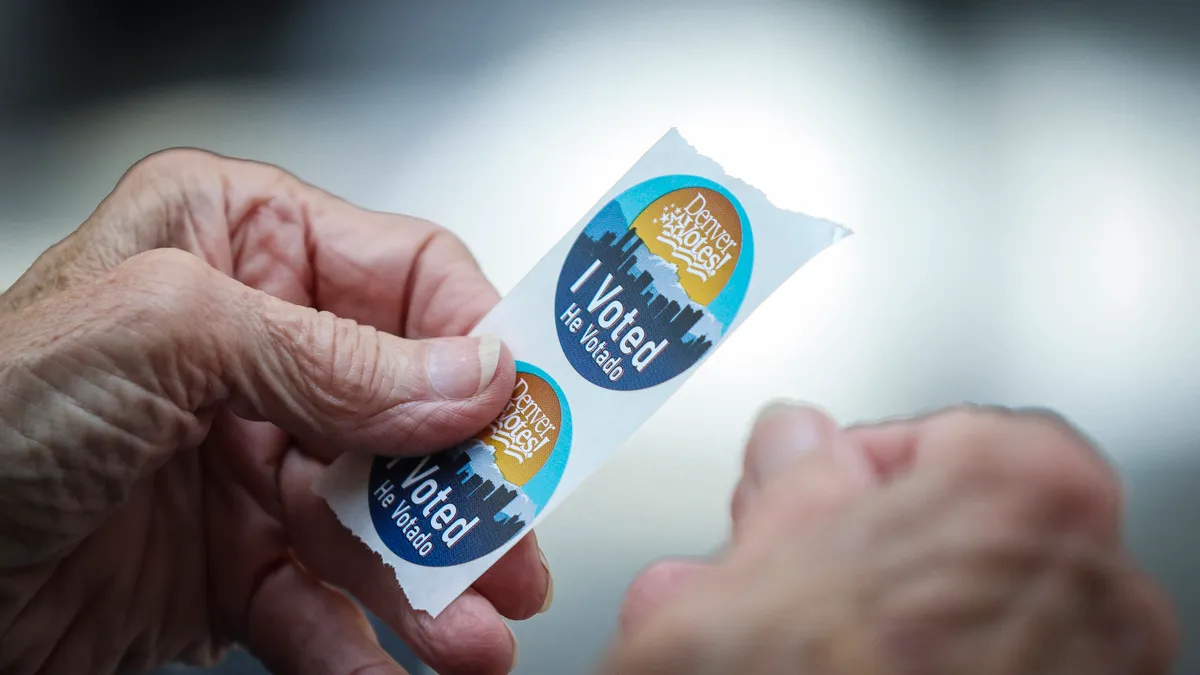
(299, 626)
(468, 637)
(235, 490)
(1033, 448)
(1087, 611)
(400, 274)
(799, 465)
(781, 435)
(892, 445)
(361, 256)
(314, 374)
(169, 199)
(656, 586)
(137, 362)
(1155, 642)
(275, 233)
(519, 585)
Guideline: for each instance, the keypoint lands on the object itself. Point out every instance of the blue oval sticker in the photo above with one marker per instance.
(653, 282)
(463, 503)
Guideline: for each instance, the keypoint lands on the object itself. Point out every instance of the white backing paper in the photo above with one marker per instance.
(594, 413)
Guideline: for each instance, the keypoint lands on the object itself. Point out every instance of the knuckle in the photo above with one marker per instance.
(452, 248)
(170, 292)
(171, 162)
(175, 279)
(442, 251)
(151, 202)
(162, 190)
(443, 245)
(966, 436)
(166, 262)
(182, 312)
(427, 228)
(488, 651)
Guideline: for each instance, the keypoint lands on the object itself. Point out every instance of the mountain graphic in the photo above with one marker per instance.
(666, 283)
(707, 327)
(611, 219)
(482, 462)
(610, 253)
(611, 225)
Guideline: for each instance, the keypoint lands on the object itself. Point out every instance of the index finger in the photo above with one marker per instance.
(1036, 448)
(892, 445)
(275, 233)
(400, 274)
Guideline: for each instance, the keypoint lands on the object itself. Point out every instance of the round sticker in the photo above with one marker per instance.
(653, 282)
(463, 503)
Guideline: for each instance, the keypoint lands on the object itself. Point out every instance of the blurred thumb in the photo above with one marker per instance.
(799, 466)
(657, 585)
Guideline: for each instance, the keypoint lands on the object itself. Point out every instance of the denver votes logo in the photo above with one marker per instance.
(653, 281)
(466, 502)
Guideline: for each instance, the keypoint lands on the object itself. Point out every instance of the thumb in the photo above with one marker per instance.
(147, 352)
(658, 585)
(799, 466)
(339, 386)
(105, 382)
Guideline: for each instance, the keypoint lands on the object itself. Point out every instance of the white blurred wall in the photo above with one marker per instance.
(1024, 205)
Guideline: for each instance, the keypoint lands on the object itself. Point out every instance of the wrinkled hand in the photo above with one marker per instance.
(971, 541)
(173, 378)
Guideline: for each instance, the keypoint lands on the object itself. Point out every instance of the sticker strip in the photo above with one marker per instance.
(617, 316)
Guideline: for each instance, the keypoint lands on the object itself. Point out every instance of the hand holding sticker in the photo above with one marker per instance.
(639, 292)
(464, 503)
(968, 541)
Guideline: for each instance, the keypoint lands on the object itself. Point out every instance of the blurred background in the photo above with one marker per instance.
(1022, 178)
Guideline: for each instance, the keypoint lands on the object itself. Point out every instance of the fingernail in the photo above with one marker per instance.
(549, 584)
(516, 649)
(777, 406)
(462, 367)
(788, 431)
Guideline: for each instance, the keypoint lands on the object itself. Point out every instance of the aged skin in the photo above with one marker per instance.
(148, 513)
(176, 374)
(970, 541)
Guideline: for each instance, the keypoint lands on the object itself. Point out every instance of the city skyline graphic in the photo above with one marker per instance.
(610, 238)
(649, 284)
(482, 491)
